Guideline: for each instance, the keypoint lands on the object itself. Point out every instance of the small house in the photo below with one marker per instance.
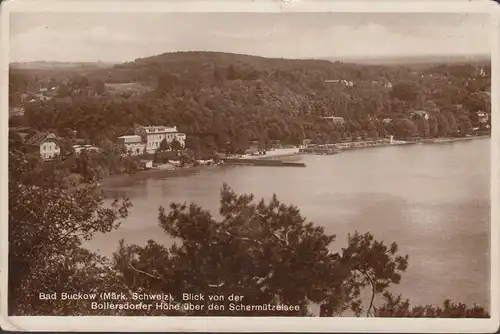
(482, 117)
(46, 144)
(131, 145)
(335, 119)
(146, 164)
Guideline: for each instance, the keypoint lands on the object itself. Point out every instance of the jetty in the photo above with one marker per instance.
(319, 150)
(262, 162)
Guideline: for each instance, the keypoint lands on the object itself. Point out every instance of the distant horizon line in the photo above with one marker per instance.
(328, 58)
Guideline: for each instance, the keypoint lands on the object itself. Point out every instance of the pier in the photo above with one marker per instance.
(319, 150)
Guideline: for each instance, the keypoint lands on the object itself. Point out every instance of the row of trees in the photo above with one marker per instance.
(265, 251)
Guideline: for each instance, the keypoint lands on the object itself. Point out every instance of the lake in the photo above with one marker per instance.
(432, 199)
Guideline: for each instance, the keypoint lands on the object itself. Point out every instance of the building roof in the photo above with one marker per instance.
(21, 128)
(131, 138)
(159, 128)
(38, 138)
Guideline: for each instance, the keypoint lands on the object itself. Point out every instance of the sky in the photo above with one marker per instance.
(119, 37)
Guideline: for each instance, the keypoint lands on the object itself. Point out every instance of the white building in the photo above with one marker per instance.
(346, 83)
(46, 143)
(482, 117)
(152, 136)
(79, 148)
(146, 164)
(334, 119)
(131, 145)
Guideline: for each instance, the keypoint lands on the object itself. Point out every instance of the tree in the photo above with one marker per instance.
(47, 224)
(266, 252)
(443, 126)
(396, 306)
(465, 125)
(167, 82)
(405, 91)
(85, 167)
(175, 145)
(164, 145)
(405, 128)
(478, 101)
(422, 125)
(99, 87)
(232, 73)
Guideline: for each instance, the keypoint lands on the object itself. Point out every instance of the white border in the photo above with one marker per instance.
(252, 324)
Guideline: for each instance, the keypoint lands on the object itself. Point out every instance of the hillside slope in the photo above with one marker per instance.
(222, 99)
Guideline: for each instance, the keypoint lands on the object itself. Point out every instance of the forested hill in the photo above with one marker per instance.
(210, 66)
(220, 98)
(415, 61)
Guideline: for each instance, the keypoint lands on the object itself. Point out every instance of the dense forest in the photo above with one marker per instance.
(224, 101)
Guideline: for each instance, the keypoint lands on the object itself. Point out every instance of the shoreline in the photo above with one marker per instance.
(275, 154)
(145, 174)
(450, 140)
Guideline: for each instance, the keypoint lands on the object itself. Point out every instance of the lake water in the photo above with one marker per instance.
(432, 199)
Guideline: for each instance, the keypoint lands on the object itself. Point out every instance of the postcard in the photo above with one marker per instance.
(250, 166)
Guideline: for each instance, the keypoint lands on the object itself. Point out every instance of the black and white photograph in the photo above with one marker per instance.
(291, 166)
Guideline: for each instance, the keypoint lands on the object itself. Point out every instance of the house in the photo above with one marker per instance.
(152, 136)
(89, 148)
(46, 144)
(334, 119)
(131, 145)
(482, 117)
(146, 164)
(346, 83)
(306, 142)
(78, 141)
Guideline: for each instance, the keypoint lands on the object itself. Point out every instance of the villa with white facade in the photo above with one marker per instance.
(152, 136)
(147, 139)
